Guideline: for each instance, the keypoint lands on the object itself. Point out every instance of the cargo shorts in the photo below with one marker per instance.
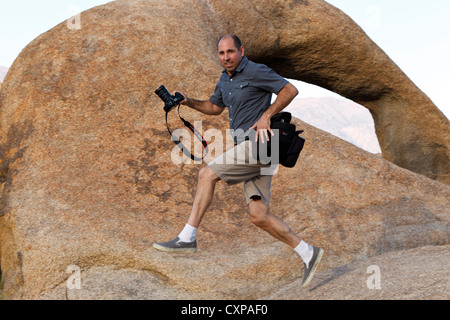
(238, 165)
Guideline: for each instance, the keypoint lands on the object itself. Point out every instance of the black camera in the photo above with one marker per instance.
(169, 100)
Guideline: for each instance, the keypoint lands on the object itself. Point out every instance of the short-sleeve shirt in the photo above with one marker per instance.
(247, 94)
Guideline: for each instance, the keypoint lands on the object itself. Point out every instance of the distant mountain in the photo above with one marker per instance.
(340, 117)
(3, 72)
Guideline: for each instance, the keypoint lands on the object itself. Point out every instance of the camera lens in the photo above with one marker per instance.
(163, 94)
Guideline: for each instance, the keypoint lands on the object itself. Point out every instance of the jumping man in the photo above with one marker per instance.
(245, 88)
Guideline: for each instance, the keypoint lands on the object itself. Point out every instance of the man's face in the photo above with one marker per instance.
(230, 56)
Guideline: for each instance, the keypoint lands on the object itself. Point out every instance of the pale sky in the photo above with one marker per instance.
(414, 33)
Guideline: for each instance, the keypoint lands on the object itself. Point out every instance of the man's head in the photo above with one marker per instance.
(230, 51)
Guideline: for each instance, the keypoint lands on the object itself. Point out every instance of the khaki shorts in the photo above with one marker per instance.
(237, 165)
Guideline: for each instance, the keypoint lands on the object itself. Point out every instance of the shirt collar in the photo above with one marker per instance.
(241, 66)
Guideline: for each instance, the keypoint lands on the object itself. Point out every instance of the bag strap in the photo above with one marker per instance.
(194, 131)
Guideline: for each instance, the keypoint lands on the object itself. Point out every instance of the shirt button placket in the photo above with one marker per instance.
(231, 80)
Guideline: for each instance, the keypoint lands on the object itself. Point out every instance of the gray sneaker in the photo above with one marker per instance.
(176, 245)
(311, 267)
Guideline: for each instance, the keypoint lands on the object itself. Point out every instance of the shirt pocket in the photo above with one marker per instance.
(246, 92)
(242, 85)
(241, 91)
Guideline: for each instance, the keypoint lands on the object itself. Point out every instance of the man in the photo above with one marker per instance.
(245, 88)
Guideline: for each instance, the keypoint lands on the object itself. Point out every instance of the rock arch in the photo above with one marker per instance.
(315, 42)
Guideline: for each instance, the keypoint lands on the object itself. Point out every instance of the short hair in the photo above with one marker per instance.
(237, 41)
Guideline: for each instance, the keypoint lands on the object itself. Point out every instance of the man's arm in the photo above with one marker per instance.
(203, 106)
(284, 97)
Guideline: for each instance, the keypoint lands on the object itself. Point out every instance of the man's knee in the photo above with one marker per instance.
(206, 174)
(259, 212)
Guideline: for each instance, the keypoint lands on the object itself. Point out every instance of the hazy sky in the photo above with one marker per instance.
(414, 33)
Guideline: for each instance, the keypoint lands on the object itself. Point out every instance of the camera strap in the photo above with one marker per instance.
(194, 131)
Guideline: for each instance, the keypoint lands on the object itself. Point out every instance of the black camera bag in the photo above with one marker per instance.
(290, 143)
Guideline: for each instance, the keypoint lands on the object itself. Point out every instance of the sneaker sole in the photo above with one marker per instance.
(313, 270)
(174, 250)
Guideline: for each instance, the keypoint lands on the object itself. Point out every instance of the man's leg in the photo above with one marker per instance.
(186, 240)
(261, 217)
(207, 180)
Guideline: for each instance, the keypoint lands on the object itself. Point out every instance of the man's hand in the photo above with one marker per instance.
(185, 100)
(262, 127)
(285, 96)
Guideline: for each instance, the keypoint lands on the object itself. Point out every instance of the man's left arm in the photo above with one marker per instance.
(284, 98)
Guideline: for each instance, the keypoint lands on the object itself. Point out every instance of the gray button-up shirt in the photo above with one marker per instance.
(247, 93)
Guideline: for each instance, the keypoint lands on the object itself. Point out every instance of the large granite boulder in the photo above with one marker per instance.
(87, 179)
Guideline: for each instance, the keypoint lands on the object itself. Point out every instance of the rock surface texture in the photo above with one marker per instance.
(87, 178)
(399, 276)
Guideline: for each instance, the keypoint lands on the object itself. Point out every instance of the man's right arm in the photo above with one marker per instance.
(204, 106)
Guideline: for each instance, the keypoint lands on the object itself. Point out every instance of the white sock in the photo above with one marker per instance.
(305, 251)
(188, 234)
